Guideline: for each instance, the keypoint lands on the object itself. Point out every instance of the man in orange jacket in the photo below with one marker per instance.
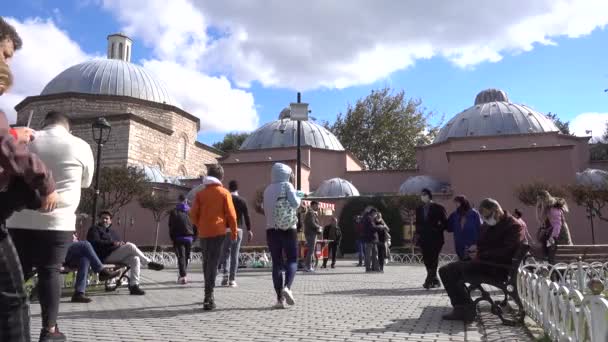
(211, 212)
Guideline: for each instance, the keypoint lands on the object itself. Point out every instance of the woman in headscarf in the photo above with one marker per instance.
(464, 222)
(550, 213)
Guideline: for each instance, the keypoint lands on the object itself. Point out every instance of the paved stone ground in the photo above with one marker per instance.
(342, 304)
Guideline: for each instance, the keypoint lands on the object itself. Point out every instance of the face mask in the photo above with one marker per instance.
(425, 198)
(105, 225)
(6, 78)
(490, 222)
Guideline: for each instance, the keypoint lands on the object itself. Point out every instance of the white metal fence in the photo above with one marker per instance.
(567, 300)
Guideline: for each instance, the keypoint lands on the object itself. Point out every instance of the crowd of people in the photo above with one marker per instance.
(42, 174)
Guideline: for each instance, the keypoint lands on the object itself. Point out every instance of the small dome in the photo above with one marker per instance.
(283, 133)
(336, 187)
(155, 175)
(414, 185)
(110, 77)
(492, 115)
(594, 178)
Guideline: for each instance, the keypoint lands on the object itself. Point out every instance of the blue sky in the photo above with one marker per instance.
(567, 77)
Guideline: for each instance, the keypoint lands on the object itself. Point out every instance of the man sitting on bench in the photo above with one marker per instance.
(111, 249)
(81, 255)
(498, 242)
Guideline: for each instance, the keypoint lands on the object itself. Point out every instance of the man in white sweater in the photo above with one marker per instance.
(41, 238)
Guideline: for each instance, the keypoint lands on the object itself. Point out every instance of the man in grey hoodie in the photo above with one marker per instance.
(281, 239)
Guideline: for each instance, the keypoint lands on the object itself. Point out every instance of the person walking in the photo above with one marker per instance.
(554, 229)
(183, 233)
(312, 228)
(465, 223)
(280, 204)
(333, 233)
(213, 211)
(231, 253)
(25, 182)
(431, 221)
(42, 239)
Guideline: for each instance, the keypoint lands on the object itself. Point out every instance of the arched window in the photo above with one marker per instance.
(120, 52)
(182, 171)
(128, 53)
(112, 54)
(182, 147)
(160, 166)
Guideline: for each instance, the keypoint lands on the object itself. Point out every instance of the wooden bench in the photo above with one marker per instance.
(507, 286)
(588, 253)
(110, 284)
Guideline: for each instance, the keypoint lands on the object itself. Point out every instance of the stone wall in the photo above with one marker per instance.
(142, 134)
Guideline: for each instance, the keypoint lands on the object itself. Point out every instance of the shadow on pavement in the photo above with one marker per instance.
(429, 322)
(386, 292)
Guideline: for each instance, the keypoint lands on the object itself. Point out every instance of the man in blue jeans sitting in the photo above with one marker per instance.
(82, 255)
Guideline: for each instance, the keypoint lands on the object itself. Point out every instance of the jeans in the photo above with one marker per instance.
(45, 250)
(82, 255)
(14, 307)
(381, 255)
(231, 253)
(130, 255)
(311, 242)
(430, 256)
(361, 251)
(182, 251)
(212, 250)
(279, 242)
(456, 274)
(332, 250)
(371, 256)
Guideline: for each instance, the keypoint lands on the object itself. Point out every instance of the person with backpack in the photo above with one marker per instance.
(281, 202)
(183, 234)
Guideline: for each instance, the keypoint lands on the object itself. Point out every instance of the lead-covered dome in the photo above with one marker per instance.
(493, 114)
(336, 187)
(110, 77)
(283, 133)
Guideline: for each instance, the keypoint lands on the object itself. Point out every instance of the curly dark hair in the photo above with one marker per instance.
(7, 31)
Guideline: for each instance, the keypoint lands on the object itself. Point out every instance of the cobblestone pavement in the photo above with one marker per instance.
(342, 304)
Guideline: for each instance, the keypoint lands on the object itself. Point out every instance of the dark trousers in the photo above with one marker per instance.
(332, 250)
(14, 308)
(212, 251)
(182, 251)
(361, 251)
(45, 250)
(381, 255)
(456, 274)
(430, 256)
(283, 242)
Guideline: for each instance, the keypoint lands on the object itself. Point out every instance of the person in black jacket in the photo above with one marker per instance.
(182, 233)
(333, 233)
(498, 242)
(110, 249)
(371, 238)
(233, 247)
(431, 221)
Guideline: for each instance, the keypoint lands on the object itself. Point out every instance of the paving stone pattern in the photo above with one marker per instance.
(342, 304)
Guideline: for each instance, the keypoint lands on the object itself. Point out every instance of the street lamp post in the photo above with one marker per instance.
(299, 112)
(101, 134)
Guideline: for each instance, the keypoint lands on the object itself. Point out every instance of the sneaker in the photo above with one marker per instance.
(107, 273)
(333, 266)
(309, 270)
(232, 283)
(136, 291)
(47, 336)
(209, 303)
(225, 282)
(155, 266)
(79, 297)
(279, 305)
(288, 295)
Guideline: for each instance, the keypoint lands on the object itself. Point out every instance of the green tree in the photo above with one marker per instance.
(383, 129)
(232, 142)
(564, 126)
(118, 186)
(599, 149)
(158, 202)
(528, 193)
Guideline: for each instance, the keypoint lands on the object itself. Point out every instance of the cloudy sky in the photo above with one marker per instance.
(236, 63)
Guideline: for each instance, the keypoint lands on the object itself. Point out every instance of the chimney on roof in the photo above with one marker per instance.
(119, 47)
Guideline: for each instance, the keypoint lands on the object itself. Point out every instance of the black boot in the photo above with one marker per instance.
(135, 290)
(209, 302)
(465, 313)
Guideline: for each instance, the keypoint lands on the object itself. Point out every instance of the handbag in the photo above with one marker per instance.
(284, 215)
(543, 234)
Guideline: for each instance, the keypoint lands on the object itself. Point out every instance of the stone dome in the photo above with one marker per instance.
(336, 187)
(414, 185)
(155, 175)
(283, 133)
(594, 178)
(110, 77)
(493, 114)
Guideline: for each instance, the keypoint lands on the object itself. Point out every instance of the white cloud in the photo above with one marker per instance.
(46, 52)
(585, 122)
(336, 44)
(212, 99)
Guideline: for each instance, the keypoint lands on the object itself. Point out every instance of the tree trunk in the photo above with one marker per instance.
(156, 238)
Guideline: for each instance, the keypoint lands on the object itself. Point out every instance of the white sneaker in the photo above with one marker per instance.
(279, 305)
(288, 295)
(232, 283)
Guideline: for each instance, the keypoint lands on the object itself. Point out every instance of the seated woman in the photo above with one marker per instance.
(464, 222)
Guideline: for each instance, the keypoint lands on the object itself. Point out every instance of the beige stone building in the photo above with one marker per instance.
(149, 129)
